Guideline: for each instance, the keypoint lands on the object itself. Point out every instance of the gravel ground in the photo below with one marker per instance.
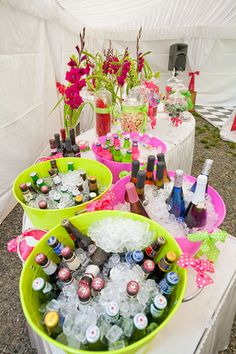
(13, 333)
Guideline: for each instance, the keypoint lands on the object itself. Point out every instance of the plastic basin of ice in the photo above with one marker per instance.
(46, 219)
(117, 167)
(30, 300)
(186, 246)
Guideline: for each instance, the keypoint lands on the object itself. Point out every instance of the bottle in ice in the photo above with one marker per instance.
(134, 171)
(84, 294)
(65, 276)
(45, 289)
(81, 241)
(26, 193)
(150, 169)
(141, 177)
(205, 171)
(164, 265)
(52, 324)
(157, 308)
(135, 204)
(49, 267)
(70, 258)
(112, 313)
(168, 283)
(90, 273)
(56, 245)
(176, 198)
(140, 324)
(196, 213)
(161, 158)
(92, 336)
(127, 158)
(148, 267)
(154, 249)
(159, 182)
(132, 289)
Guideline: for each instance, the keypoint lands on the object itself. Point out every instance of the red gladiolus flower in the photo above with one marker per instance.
(73, 75)
(72, 62)
(61, 88)
(140, 62)
(72, 97)
(124, 73)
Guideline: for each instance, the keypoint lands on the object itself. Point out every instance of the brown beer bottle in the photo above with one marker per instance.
(141, 177)
(135, 204)
(150, 169)
(161, 158)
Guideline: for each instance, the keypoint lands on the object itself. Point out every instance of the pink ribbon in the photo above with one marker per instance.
(106, 203)
(191, 85)
(201, 266)
(56, 156)
(152, 116)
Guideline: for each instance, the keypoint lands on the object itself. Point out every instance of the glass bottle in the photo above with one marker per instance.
(148, 267)
(116, 141)
(90, 273)
(80, 239)
(53, 164)
(135, 150)
(169, 283)
(176, 198)
(65, 276)
(70, 166)
(99, 149)
(108, 139)
(112, 313)
(63, 139)
(140, 324)
(99, 257)
(58, 143)
(52, 323)
(49, 267)
(42, 204)
(150, 169)
(45, 290)
(78, 200)
(141, 177)
(154, 249)
(76, 150)
(134, 257)
(134, 171)
(127, 157)
(53, 146)
(135, 204)
(27, 195)
(72, 136)
(159, 182)
(106, 154)
(68, 148)
(98, 284)
(161, 158)
(117, 155)
(164, 265)
(157, 308)
(84, 294)
(112, 150)
(103, 103)
(92, 336)
(55, 177)
(196, 213)
(127, 143)
(205, 171)
(93, 187)
(34, 176)
(55, 244)
(132, 289)
(71, 259)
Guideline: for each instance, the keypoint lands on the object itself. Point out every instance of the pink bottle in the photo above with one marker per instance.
(99, 149)
(116, 141)
(135, 151)
(106, 153)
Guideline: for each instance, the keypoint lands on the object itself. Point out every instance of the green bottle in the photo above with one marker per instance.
(128, 157)
(140, 322)
(112, 149)
(127, 144)
(34, 176)
(70, 166)
(117, 155)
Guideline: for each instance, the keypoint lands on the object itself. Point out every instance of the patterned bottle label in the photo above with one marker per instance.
(155, 312)
(58, 248)
(47, 288)
(163, 265)
(73, 263)
(150, 252)
(168, 283)
(50, 268)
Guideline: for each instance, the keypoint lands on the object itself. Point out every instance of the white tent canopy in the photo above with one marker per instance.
(37, 38)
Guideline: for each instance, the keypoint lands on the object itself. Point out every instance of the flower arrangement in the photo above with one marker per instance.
(117, 73)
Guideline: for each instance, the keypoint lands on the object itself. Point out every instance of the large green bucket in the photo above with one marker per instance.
(46, 219)
(30, 301)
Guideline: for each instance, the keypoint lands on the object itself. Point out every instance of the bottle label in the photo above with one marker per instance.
(27, 196)
(58, 248)
(166, 288)
(50, 268)
(47, 288)
(73, 263)
(129, 259)
(56, 179)
(163, 265)
(150, 252)
(155, 312)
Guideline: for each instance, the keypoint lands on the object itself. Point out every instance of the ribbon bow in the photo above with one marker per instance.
(191, 85)
(106, 203)
(201, 266)
(188, 98)
(208, 246)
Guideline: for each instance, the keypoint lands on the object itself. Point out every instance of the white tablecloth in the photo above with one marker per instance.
(179, 141)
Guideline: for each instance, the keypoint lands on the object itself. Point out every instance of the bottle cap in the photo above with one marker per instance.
(52, 143)
(160, 170)
(42, 204)
(132, 287)
(172, 278)
(39, 182)
(92, 195)
(84, 292)
(63, 134)
(33, 175)
(66, 252)
(161, 240)
(92, 334)
(64, 275)
(92, 179)
(93, 270)
(64, 189)
(135, 168)
(112, 309)
(79, 199)
(98, 143)
(75, 192)
(138, 256)
(127, 137)
(52, 241)
(171, 256)
(57, 197)
(150, 163)
(29, 185)
(129, 152)
(51, 319)
(141, 177)
(148, 266)
(179, 178)
(23, 187)
(98, 283)
(117, 148)
(53, 164)
(70, 165)
(44, 190)
(160, 302)
(161, 157)
(65, 222)
(116, 136)
(38, 284)
(199, 194)
(132, 194)
(41, 259)
(140, 321)
(52, 172)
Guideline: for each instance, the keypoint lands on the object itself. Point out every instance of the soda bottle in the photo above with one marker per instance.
(164, 265)
(140, 324)
(106, 154)
(148, 267)
(134, 257)
(55, 245)
(159, 182)
(92, 336)
(150, 169)
(132, 289)
(70, 166)
(45, 290)
(135, 150)
(81, 241)
(176, 198)
(53, 164)
(134, 171)
(98, 284)
(116, 141)
(128, 157)
(70, 258)
(91, 272)
(52, 324)
(127, 144)
(161, 158)
(141, 177)
(65, 276)
(152, 251)
(112, 312)
(135, 204)
(27, 195)
(55, 177)
(117, 156)
(169, 283)
(93, 187)
(157, 308)
(99, 149)
(84, 294)
(49, 267)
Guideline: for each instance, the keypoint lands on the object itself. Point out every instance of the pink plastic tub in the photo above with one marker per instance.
(117, 167)
(186, 246)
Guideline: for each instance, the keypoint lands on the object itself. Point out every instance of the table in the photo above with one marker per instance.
(200, 326)
(179, 141)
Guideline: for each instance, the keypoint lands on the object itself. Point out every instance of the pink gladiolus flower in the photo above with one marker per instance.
(72, 62)
(124, 73)
(140, 62)
(73, 75)
(72, 97)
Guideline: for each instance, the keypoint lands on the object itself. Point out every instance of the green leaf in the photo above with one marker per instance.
(89, 55)
(146, 53)
(61, 99)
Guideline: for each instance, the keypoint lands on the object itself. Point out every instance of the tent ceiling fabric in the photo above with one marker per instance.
(110, 15)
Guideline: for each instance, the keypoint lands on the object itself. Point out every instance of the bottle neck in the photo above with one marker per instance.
(199, 195)
(206, 168)
(178, 180)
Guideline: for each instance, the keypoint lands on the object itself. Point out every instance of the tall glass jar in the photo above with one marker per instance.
(103, 110)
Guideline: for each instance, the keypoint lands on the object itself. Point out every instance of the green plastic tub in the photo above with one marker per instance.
(46, 219)
(30, 301)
